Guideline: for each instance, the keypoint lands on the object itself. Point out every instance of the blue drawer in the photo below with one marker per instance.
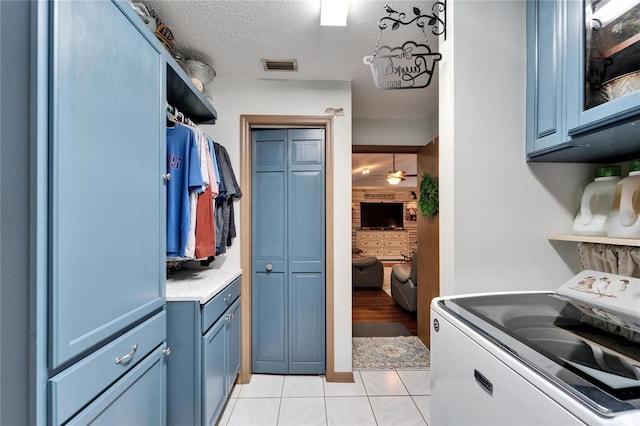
(74, 387)
(214, 308)
(136, 399)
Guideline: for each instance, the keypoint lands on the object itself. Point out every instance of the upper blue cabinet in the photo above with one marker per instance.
(106, 189)
(583, 82)
(545, 42)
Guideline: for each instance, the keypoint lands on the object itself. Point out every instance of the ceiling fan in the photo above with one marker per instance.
(394, 176)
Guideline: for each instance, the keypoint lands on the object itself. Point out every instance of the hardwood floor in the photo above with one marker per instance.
(374, 305)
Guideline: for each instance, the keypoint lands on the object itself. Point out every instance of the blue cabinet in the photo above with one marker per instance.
(106, 280)
(84, 86)
(545, 79)
(573, 62)
(205, 358)
(124, 361)
(107, 195)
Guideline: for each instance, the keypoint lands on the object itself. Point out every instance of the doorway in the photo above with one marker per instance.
(384, 227)
(427, 229)
(247, 122)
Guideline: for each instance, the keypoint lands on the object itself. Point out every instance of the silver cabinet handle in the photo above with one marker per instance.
(167, 351)
(269, 267)
(166, 177)
(120, 359)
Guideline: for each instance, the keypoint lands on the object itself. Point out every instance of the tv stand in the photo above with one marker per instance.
(385, 244)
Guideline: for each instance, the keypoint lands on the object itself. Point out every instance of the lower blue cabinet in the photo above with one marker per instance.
(136, 399)
(205, 357)
(123, 382)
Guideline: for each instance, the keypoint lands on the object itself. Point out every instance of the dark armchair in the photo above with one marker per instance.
(366, 271)
(404, 284)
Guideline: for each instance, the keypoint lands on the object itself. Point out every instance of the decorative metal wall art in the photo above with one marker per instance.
(411, 65)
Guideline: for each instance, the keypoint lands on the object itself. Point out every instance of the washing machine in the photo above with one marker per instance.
(570, 356)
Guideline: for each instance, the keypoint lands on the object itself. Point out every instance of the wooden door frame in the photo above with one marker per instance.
(247, 123)
(429, 244)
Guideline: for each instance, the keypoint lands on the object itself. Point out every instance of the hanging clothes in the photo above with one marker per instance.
(200, 193)
(183, 165)
(229, 189)
(205, 222)
(201, 142)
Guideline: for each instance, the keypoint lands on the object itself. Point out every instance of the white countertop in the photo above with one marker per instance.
(198, 283)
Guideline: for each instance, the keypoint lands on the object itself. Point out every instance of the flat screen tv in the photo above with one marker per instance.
(381, 215)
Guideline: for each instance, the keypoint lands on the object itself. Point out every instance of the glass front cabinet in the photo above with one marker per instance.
(606, 57)
(595, 55)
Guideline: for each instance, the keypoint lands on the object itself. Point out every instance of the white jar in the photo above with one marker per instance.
(623, 220)
(597, 201)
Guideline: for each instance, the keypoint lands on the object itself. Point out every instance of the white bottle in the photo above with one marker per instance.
(596, 203)
(623, 221)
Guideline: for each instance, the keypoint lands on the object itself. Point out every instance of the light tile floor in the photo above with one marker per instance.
(378, 397)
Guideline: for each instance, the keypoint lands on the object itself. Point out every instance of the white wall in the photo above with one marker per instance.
(496, 209)
(235, 97)
(409, 132)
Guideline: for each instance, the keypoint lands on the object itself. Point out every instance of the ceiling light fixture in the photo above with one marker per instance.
(394, 176)
(394, 180)
(365, 171)
(333, 13)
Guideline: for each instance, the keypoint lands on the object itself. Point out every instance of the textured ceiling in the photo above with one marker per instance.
(233, 37)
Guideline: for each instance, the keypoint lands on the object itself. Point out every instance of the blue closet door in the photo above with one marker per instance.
(269, 220)
(306, 242)
(288, 296)
(106, 166)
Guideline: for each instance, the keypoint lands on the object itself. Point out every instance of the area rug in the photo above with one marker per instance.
(389, 352)
(379, 329)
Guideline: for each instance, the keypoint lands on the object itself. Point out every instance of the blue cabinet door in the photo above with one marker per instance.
(233, 344)
(184, 366)
(288, 300)
(106, 203)
(545, 59)
(214, 380)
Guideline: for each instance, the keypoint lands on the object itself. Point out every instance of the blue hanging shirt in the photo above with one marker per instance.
(183, 164)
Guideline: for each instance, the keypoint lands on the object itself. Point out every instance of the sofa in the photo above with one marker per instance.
(366, 271)
(404, 284)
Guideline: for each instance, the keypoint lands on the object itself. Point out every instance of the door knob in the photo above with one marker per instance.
(269, 267)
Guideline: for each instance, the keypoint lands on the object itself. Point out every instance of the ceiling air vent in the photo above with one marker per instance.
(280, 64)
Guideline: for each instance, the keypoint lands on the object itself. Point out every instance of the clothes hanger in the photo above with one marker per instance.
(171, 122)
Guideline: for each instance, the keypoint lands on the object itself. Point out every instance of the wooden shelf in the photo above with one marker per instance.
(182, 94)
(621, 46)
(595, 240)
